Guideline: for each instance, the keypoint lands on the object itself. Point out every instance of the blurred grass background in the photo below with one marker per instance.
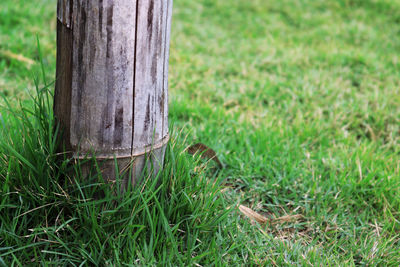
(300, 99)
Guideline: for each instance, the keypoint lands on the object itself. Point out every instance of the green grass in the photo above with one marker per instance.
(300, 99)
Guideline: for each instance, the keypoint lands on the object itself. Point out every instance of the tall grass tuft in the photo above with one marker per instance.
(49, 213)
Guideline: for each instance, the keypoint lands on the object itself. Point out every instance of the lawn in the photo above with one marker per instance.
(299, 98)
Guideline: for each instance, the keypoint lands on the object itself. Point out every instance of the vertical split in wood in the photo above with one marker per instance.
(111, 93)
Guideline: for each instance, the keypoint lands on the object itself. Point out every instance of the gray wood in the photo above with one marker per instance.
(150, 57)
(64, 12)
(167, 32)
(111, 93)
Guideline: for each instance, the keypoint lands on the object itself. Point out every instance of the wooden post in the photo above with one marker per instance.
(111, 95)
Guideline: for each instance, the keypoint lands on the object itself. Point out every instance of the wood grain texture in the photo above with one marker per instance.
(64, 12)
(62, 93)
(112, 75)
(149, 78)
(164, 98)
(102, 80)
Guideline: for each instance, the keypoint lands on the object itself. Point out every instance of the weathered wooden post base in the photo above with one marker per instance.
(131, 169)
(111, 95)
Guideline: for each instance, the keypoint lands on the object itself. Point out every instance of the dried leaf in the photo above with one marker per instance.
(18, 57)
(205, 152)
(251, 214)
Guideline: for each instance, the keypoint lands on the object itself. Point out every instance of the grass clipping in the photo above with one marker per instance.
(256, 217)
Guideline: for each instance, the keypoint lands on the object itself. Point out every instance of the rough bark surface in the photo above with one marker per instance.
(111, 94)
